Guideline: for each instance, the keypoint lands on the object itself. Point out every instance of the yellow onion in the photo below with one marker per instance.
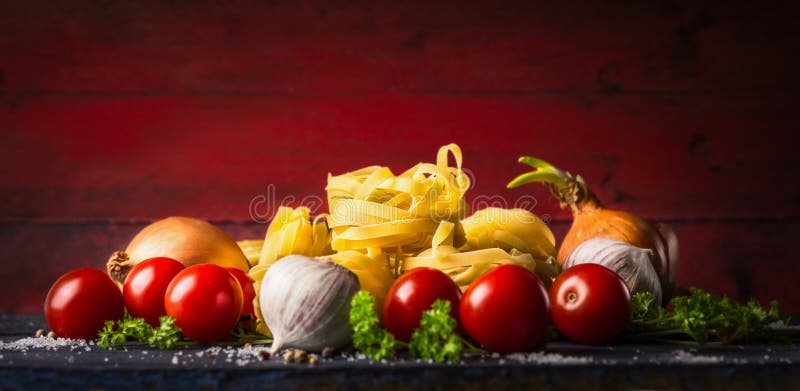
(187, 240)
(592, 220)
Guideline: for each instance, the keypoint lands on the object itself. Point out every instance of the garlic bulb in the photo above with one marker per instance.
(633, 264)
(306, 303)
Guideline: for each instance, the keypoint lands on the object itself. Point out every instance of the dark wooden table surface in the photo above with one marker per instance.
(559, 366)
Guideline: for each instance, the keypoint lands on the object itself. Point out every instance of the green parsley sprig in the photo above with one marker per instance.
(701, 317)
(435, 339)
(115, 334)
(372, 340)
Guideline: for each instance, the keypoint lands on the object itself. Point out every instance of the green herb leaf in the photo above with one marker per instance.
(372, 340)
(115, 334)
(435, 339)
(105, 338)
(702, 318)
(166, 336)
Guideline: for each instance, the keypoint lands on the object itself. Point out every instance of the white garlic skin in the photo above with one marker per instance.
(305, 303)
(633, 264)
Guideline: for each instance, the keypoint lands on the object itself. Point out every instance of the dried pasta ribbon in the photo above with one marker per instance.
(464, 267)
(381, 225)
(507, 229)
(371, 208)
(495, 236)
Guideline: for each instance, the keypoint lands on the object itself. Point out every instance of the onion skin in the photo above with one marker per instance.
(187, 240)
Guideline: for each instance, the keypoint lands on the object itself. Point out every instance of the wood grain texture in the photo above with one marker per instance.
(313, 47)
(113, 114)
(143, 157)
(556, 365)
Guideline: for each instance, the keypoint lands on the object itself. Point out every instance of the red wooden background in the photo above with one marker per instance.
(116, 113)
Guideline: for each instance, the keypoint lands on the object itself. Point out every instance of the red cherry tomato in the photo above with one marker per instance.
(145, 286)
(591, 304)
(205, 301)
(80, 302)
(248, 295)
(414, 292)
(506, 309)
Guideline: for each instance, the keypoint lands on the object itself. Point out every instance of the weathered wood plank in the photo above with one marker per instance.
(103, 158)
(557, 365)
(125, 112)
(316, 47)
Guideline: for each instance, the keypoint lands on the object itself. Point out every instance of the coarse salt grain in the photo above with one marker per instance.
(683, 356)
(241, 356)
(25, 344)
(548, 358)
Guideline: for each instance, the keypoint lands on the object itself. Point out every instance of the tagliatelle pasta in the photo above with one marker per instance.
(419, 213)
(507, 229)
(464, 267)
(380, 225)
(495, 236)
(372, 209)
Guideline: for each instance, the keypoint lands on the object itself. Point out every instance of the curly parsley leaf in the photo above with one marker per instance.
(368, 337)
(166, 335)
(115, 334)
(701, 317)
(435, 339)
(108, 336)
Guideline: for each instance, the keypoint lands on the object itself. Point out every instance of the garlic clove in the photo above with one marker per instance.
(306, 303)
(633, 264)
